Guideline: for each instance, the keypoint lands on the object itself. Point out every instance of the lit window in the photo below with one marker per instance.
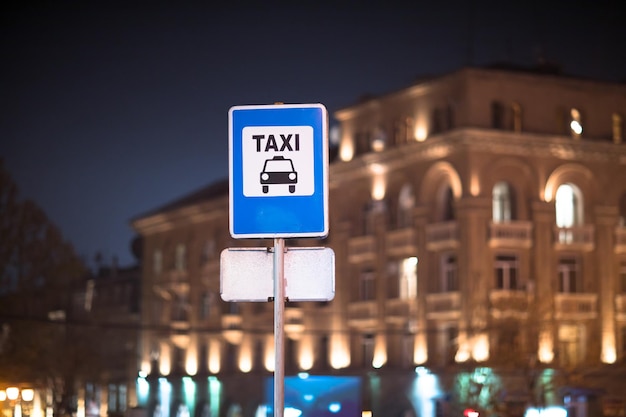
(575, 123)
(402, 282)
(502, 205)
(449, 280)
(506, 272)
(568, 206)
(569, 275)
(617, 128)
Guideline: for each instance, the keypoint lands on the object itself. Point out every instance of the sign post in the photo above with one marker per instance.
(278, 188)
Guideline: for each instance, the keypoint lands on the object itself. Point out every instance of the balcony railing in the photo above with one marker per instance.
(620, 239)
(401, 242)
(508, 304)
(361, 248)
(579, 306)
(510, 234)
(579, 237)
(398, 310)
(363, 313)
(442, 236)
(444, 305)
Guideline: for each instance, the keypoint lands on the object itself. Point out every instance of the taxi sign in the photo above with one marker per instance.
(278, 171)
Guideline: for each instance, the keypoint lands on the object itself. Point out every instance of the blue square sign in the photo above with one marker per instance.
(278, 163)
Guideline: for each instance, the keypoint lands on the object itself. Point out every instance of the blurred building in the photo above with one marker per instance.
(478, 224)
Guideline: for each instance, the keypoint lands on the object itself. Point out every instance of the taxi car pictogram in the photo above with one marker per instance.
(278, 170)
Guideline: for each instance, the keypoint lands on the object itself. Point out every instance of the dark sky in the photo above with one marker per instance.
(110, 109)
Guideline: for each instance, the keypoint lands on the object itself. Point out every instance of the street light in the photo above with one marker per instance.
(15, 402)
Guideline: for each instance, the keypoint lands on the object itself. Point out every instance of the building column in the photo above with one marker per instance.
(473, 215)
(424, 270)
(544, 219)
(606, 220)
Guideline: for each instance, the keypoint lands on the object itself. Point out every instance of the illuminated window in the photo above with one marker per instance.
(503, 204)
(402, 279)
(449, 280)
(367, 285)
(569, 206)
(617, 128)
(181, 257)
(569, 275)
(157, 262)
(575, 123)
(506, 272)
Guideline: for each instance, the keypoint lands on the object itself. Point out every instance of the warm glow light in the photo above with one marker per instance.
(13, 393)
(366, 413)
(3, 395)
(474, 185)
(145, 367)
(306, 354)
(463, 353)
(191, 366)
(480, 351)
(214, 356)
(576, 127)
(28, 394)
(269, 359)
(608, 347)
(546, 354)
(340, 356)
(165, 366)
(380, 352)
(420, 352)
(245, 356)
(346, 149)
(420, 131)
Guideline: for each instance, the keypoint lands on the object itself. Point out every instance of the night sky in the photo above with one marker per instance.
(111, 109)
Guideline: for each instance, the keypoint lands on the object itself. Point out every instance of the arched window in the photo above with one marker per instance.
(406, 202)
(569, 206)
(446, 203)
(503, 205)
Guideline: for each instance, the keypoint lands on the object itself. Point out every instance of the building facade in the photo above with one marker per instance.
(478, 224)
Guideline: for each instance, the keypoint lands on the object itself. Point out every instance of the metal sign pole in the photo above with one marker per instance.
(279, 328)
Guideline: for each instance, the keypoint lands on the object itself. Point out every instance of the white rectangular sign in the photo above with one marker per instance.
(246, 274)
